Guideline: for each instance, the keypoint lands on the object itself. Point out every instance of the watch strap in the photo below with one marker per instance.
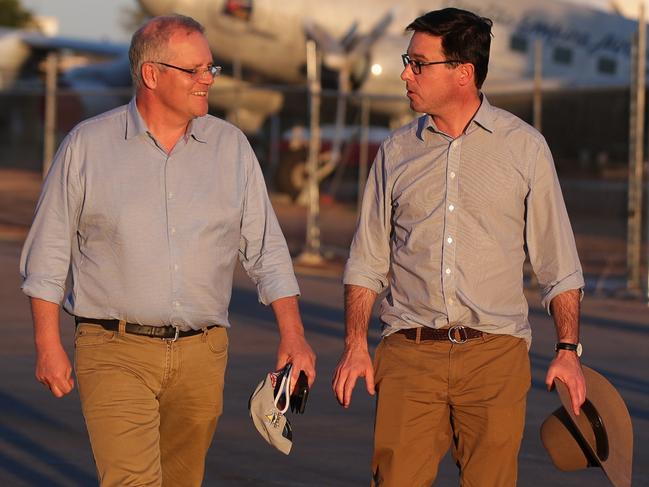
(566, 346)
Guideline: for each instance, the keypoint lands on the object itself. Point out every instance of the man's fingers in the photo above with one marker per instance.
(369, 382)
(343, 388)
(350, 383)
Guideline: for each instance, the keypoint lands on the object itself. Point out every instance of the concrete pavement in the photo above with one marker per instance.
(43, 440)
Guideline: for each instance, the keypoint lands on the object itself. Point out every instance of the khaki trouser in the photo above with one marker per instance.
(150, 405)
(435, 394)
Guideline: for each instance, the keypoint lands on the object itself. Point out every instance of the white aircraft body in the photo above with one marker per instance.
(582, 47)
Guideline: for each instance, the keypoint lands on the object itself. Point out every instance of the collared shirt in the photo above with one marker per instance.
(152, 237)
(445, 224)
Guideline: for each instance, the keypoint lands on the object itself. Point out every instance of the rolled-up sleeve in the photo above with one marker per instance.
(263, 251)
(45, 259)
(549, 237)
(369, 255)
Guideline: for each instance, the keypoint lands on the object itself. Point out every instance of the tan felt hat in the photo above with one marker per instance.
(601, 436)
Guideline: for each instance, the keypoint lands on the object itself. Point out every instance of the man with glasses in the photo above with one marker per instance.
(453, 202)
(149, 206)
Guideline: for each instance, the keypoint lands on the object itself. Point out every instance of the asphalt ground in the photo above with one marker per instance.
(43, 440)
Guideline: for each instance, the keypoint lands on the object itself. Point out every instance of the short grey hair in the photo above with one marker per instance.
(149, 43)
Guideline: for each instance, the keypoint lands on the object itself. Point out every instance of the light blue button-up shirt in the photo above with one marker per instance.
(445, 225)
(152, 237)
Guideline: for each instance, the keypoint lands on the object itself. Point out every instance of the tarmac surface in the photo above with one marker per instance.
(43, 440)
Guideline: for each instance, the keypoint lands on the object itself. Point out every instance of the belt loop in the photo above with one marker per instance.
(121, 328)
(418, 337)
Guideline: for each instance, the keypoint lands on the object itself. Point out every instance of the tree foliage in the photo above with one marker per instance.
(13, 14)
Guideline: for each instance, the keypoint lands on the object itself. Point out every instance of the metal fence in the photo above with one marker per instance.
(587, 132)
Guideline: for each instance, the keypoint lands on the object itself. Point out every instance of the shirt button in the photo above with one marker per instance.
(452, 175)
(449, 240)
(173, 230)
(448, 271)
(176, 304)
(451, 301)
(176, 267)
(451, 207)
(170, 195)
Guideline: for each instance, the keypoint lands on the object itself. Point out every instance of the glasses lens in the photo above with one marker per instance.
(414, 65)
(211, 71)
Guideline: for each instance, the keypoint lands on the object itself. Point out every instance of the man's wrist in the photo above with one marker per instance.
(570, 347)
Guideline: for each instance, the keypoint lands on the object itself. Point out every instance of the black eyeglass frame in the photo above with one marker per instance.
(195, 73)
(417, 65)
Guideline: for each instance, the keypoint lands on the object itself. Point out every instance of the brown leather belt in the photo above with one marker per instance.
(165, 332)
(455, 334)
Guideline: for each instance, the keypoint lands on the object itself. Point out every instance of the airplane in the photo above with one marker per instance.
(582, 46)
(583, 49)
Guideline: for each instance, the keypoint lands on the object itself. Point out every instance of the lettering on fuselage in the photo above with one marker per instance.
(532, 26)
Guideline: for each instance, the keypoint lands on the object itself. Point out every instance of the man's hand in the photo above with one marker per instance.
(53, 369)
(354, 363)
(567, 368)
(294, 348)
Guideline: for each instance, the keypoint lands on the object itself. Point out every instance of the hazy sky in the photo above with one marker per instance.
(100, 19)
(94, 19)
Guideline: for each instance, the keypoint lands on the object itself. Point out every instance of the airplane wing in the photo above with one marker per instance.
(56, 43)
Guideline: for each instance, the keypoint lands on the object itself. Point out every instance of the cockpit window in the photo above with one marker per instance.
(241, 9)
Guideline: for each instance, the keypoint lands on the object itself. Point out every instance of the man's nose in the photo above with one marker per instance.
(406, 74)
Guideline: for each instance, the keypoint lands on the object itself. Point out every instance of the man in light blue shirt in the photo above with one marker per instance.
(147, 208)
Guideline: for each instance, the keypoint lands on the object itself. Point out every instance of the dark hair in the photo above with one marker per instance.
(149, 43)
(465, 36)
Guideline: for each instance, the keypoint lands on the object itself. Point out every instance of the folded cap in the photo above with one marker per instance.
(267, 406)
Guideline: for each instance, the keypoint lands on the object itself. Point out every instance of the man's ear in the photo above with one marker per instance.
(467, 74)
(149, 75)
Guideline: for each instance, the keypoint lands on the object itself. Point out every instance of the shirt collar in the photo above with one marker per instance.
(135, 124)
(196, 129)
(484, 118)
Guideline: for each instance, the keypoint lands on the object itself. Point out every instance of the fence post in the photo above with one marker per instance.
(49, 127)
(636, 158)
(311, 254)
(364, 150)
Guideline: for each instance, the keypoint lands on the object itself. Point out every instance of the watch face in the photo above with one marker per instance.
(579, 350)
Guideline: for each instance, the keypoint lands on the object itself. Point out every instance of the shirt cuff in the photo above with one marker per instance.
(375, 283)
(568, 283)
(43, 290)
(269, 292)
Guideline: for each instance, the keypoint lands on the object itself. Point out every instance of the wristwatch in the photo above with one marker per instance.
(574, 347)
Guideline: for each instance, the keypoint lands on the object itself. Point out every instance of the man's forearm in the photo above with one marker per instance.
(45, 315)
(565, 312)
(287, 314)
(358, 310)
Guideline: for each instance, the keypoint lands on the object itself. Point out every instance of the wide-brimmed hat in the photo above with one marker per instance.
(601, 436)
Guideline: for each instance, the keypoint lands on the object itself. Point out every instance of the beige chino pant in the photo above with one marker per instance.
(434, 395)
(150, 405)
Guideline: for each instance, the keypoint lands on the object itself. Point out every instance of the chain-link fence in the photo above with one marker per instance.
(587, 132)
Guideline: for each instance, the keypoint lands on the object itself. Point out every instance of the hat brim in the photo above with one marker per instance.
(614, 416)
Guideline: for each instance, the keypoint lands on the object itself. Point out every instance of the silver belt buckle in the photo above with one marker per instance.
(461, 331)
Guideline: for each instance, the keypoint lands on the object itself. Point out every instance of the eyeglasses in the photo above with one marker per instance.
(417, 65)
(194, 73)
